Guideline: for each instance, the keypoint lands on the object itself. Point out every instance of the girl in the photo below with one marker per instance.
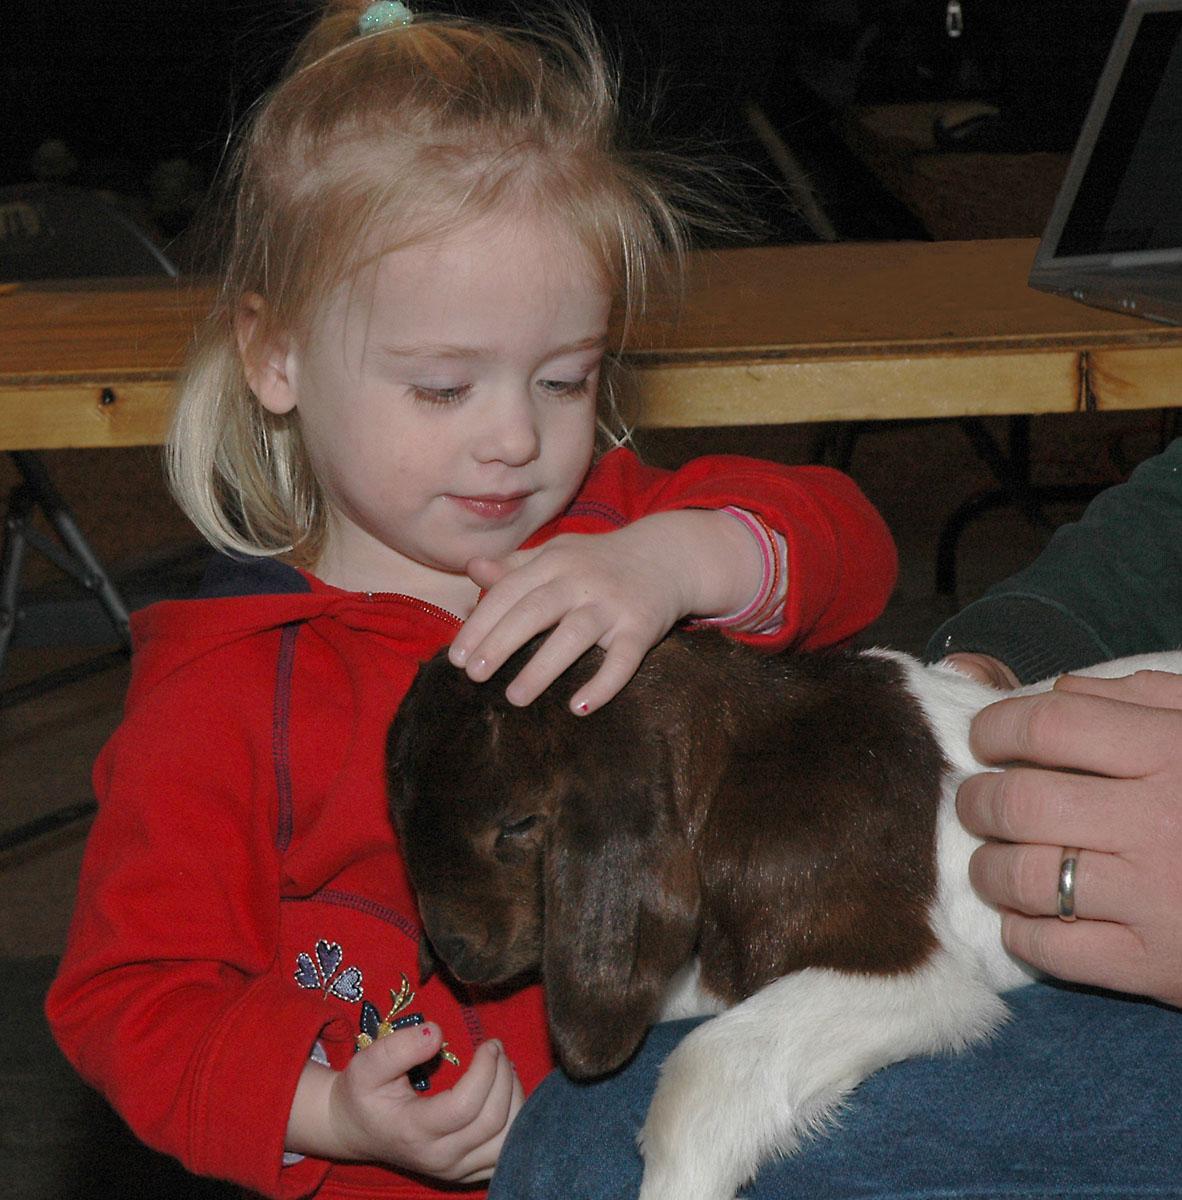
(388, 424)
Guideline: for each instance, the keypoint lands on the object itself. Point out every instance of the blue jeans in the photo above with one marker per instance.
(1079, 1095)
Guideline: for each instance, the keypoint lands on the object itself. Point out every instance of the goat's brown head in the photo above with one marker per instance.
(536, 839)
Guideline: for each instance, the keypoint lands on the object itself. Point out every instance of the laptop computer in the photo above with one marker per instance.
(1114, 237)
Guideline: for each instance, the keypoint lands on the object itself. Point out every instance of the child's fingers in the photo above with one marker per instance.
(373, 1086)
(570, 639)
(624, 655)
(492, 1150)
(459, 1107)
(478, 1165)
(504, 584)
(559, 605)
(390, 1058)
(497, 1109)
(476, 1146)
(462, 1130)
(575, 588)
(487, 572)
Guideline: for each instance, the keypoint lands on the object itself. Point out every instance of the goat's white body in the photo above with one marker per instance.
(764, 1074)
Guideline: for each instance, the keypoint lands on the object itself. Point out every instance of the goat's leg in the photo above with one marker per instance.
(752, 1083)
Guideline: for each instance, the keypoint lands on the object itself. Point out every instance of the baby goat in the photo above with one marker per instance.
(772, 839)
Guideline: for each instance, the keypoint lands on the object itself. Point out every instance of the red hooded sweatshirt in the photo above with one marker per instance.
(242, 894)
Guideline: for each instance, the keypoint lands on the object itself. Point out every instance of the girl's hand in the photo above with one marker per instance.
(622, 590)
(369, 1112)
(1099, 766)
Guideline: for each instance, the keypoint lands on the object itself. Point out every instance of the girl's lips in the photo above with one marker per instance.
(492, 508)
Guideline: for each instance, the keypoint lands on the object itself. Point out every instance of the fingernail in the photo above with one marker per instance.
(497, 1048)
(458, 656)
(478, 668)
(582, 707)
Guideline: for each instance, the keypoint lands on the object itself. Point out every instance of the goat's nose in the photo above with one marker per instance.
(452, 948)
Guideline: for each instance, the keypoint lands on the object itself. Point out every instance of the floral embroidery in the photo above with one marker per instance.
(374, 1027)
(320, 973)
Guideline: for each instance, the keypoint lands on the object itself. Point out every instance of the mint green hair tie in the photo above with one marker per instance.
(384, 14)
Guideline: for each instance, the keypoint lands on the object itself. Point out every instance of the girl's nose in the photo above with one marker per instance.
(508, 430)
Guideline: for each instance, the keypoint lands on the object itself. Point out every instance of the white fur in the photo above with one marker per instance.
(756, 1080)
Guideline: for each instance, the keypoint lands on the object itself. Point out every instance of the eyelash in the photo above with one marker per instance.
(440, 397)
(567, 387)
(443, 397)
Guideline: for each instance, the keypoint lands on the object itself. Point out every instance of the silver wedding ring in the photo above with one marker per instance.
(1068, 865)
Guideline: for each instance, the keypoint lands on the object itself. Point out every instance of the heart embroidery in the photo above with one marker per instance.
(320, 974)
(347, 985)
(329, 955)
(306, 974)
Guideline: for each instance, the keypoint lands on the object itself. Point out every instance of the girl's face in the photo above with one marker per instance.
(449, 412)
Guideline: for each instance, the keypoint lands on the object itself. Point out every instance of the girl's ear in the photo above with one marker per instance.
(266, 358)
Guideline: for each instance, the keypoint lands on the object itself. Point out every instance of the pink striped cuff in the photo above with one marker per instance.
(765, 613)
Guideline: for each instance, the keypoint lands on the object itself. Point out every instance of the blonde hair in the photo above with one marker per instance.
(379, 140)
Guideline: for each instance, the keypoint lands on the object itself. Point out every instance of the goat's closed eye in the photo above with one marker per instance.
(510, 831)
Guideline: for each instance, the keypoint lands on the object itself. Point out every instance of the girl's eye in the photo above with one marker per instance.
(440, 395)
(450, 395)
(565, 387)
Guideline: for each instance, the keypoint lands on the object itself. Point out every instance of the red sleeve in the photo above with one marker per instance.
(841, 557)
(169, 954)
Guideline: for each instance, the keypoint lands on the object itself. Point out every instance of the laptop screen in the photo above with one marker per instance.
(1130, 196)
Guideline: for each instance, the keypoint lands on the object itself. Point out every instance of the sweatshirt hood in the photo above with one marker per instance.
(240, 599)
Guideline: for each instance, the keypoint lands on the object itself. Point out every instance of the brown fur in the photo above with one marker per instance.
(765, 814)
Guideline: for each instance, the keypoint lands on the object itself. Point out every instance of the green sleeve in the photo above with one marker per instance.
(1106, 586)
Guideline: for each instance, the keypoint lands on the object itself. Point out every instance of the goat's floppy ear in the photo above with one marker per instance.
(621, 912)
(428, 963)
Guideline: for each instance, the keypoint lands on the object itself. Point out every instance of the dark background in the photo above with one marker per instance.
(128, 85)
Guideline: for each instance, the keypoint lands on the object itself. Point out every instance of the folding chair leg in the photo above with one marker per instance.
(77, 559)
(91, 573)
(74, 554)
(12, 557)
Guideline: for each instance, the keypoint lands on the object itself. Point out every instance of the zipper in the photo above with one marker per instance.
(423, 606)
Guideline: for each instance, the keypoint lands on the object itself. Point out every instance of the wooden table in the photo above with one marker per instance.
(771, 336)
(846, 332)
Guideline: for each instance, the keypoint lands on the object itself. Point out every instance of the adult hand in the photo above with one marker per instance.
(1097, 764)
(984, 668)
